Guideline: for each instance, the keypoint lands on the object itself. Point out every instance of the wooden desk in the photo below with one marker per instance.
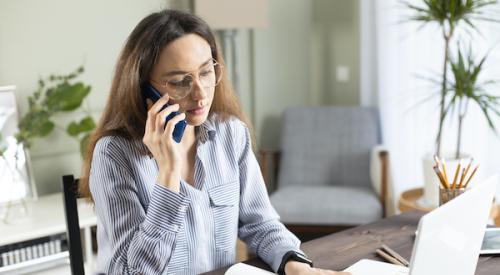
(340, 250)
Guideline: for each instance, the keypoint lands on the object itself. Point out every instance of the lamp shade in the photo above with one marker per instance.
(232, 14)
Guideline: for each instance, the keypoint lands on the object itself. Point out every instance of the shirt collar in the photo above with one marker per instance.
(207, 130)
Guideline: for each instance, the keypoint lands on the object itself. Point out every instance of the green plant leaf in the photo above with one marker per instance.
(450, 13)
(67, 97)
(73, 129)
(465, 86)
(85, 125)
(44, 129)
(54, 94)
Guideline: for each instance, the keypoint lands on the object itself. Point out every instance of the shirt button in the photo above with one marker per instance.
(183, 208)
(175, 227)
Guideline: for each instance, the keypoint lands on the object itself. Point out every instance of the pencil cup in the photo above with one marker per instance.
(446, 195)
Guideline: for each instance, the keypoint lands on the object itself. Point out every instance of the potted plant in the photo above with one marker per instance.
(449, 15)
(465, 88)
(55, 95)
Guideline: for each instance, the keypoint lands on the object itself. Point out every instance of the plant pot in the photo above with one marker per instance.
(431, 180)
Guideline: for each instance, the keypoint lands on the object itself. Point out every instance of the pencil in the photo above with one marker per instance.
(441, 179)
(471, 175)
(395, 255)
(468, 166)
(444, 173)
(388, 257)
(436, 159)
(462, 177)
(456, 176)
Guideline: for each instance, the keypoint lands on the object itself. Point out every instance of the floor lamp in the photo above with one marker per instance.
(227, 17)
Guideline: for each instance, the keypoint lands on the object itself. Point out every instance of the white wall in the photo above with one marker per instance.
(335, 44)
(39, 38)
(280, 66)
(296, 58)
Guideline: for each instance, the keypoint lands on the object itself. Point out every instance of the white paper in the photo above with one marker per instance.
(371, 267)
(243, 269)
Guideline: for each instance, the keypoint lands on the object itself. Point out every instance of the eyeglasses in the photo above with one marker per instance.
(180, 86)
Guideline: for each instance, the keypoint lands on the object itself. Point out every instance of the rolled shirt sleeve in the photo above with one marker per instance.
(140, 241)
(259, 224)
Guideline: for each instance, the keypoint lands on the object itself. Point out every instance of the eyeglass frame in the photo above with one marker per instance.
(194, 76)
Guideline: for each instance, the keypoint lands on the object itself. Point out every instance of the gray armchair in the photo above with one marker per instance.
(332, 172)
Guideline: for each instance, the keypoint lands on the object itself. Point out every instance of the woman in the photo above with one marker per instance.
(165, 207)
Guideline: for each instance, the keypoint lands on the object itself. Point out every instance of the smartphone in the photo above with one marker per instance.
(149, 91)
(491, 241)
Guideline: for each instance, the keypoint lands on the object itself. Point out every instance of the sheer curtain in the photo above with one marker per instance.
(397, 56)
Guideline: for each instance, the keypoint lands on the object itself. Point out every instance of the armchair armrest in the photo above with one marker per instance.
(380, 176)
(269, 165)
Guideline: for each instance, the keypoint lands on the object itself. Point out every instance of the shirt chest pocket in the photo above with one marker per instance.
(224, 203)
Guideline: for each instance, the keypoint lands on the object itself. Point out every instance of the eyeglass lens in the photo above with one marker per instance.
(209, 77)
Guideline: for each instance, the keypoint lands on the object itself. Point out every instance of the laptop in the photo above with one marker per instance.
(449, 238)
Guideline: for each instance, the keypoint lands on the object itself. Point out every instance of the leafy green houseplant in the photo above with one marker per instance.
(466, 88)
(449, 15)
(56, 95)
(456, 93)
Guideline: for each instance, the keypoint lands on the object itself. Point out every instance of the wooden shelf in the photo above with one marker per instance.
(45, 217)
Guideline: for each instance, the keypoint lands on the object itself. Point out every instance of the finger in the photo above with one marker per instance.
(160, 102)
(149, 103)
(162, 116)
(169, 130)
(330, 272)
(150, 119)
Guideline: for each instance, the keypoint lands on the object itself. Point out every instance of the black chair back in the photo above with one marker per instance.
(70, 194)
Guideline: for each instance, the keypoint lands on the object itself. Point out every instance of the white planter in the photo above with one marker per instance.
(431, 180)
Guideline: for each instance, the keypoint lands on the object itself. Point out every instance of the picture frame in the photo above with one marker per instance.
(17, 183)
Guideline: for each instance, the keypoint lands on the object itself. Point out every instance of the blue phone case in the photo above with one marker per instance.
(150, 92)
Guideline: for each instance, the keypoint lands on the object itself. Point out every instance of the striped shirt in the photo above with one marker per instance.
(144, 228)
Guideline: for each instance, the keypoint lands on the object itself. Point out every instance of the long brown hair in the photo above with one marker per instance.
(125, 114)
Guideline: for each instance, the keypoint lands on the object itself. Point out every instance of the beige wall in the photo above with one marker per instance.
(291, 62)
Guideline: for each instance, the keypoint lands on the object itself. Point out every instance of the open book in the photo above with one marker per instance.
(243, 269)
(371, 267)
(362, 267)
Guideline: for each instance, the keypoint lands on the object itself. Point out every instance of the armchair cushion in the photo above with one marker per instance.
(325, 205)
(324, 143)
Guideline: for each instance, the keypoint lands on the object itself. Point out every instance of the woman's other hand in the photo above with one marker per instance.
(161, 144)
(298, 268)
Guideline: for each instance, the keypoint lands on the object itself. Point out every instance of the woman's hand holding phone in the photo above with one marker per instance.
(161, 144)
